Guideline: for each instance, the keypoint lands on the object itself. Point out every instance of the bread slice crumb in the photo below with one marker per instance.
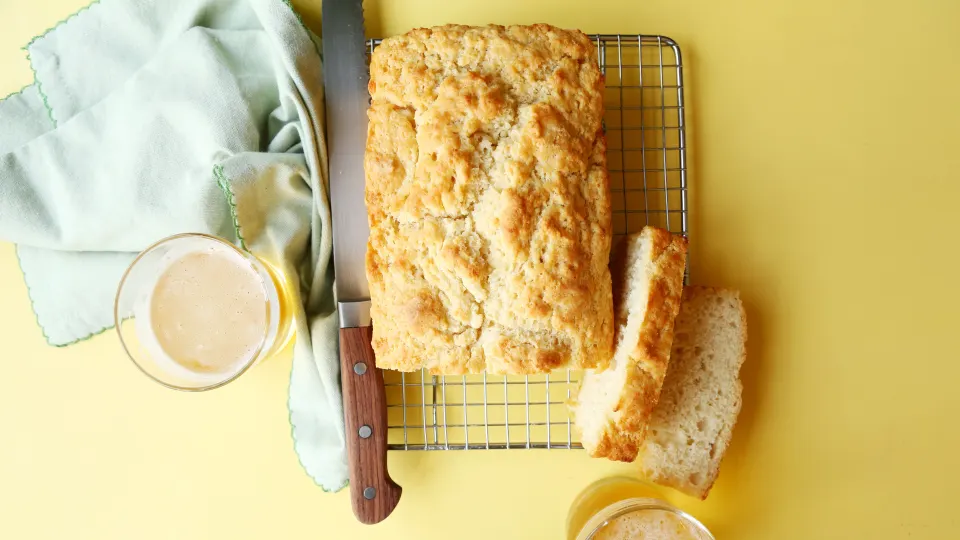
(691, 426)
(613, 406)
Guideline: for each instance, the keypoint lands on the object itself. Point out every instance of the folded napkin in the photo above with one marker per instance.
(149, 118)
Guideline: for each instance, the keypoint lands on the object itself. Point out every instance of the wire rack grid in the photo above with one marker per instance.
(646, 159)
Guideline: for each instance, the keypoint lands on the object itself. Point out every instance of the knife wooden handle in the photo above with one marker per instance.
(373, 492)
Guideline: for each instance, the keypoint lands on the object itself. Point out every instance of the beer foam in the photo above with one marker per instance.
(648, 523)
(209, 313)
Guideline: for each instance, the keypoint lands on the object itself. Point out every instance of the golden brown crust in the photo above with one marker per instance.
(648, 360)
(488, 200)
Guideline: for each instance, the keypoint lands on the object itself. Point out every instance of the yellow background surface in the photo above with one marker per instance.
(824, 185)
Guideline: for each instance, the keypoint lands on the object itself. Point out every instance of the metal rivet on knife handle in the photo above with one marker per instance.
(369, 493)
(365, 432)
(359, 368)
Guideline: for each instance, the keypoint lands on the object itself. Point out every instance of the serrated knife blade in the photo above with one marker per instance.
(346, 77)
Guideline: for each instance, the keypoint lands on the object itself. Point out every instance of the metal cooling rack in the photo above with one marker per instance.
(646, 158)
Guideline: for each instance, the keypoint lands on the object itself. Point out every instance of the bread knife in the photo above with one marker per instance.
(373, 493)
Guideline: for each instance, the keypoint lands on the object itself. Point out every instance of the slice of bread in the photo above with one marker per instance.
(691, 425)
(612, 407)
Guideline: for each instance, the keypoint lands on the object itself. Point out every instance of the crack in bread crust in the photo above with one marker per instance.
(488, 200)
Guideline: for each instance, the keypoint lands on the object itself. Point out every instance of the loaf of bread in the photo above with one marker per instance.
(488, 201)
(691, 425)
(613, 406)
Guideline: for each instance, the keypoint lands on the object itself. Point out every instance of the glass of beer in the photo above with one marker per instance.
(194, 312)
(622, 508)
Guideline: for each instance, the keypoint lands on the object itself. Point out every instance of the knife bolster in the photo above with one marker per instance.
(354, 314)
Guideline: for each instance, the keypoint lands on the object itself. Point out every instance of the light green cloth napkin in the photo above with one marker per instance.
(154, 117)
